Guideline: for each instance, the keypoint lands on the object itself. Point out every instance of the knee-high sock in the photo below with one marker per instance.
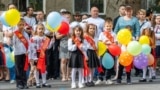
(91, 74)
(36, 75)
(73, 75)
(80, 73)
(153, 71)
(150, 72)
(44, 78)
(144, 73)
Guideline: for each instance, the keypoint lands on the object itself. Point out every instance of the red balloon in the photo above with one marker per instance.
(64, 28)
(114, 49)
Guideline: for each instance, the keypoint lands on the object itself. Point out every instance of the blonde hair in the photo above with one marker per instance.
(142, 11)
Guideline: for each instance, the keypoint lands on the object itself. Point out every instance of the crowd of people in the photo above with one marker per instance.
(43, 55)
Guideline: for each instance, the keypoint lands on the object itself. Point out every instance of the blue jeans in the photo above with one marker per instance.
(12, 73)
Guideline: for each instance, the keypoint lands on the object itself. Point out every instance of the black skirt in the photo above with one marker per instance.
(158, 51)
(76, 59)
(93, 61)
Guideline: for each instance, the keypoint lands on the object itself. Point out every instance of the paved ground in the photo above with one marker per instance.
(58, 85)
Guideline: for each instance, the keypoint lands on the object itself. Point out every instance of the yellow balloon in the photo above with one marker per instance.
(12, 17)
(101, 48)
(52, 29)
(124, 36)
(144, 40)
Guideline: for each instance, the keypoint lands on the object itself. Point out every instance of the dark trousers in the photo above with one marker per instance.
(107, 72)
(21, 77)
(120, 73)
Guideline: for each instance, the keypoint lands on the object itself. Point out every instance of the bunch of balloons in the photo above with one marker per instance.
(137, 52)
(55, 23)
(10, 18)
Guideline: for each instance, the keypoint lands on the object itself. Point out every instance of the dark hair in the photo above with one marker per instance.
(27, 9)
(149, 12)
(108, 20)
(80, 29)
(68, 12)
(129, 27)
(87, 29)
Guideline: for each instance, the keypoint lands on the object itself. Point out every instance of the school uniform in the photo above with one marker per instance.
(20, 59)
(107, 72)
(93, 61)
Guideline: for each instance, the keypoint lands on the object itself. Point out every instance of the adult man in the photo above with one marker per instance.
(121, 13)
(95, 19)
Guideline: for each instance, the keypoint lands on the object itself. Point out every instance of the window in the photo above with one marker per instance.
(36, 4)
(84, 6)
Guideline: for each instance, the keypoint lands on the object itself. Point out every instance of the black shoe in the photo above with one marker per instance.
(142, 80)
(87, 84)
(119, 81)
(38, 86)
(92, 83)
(153, 77)
(129, 81)
(150, 80)
(46, 85)
(25, 87)
(20, 87)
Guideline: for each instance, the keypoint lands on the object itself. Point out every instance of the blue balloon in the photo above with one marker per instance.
(146, 49)
(54, 19)
(9, 62)
(107, 61)
(2, 19)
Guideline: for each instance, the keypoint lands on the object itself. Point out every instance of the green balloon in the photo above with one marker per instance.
(12, 56)
(146, 49)
(134, 48)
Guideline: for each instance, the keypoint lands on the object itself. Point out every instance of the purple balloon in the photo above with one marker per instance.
(140, 61)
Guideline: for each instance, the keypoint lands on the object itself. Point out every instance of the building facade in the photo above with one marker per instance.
(106, 7)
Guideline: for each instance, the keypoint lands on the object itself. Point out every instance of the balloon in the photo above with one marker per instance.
(101, 48)
(9, 62)
(51, 29)
(150, 59)
(134, 48)
(3, 20)
(114, 49)
(124, 36)
(125, 59)
(140, 61)
(12, 56)
(144, 40)
(54, 19)
(64, 28)
(146, 49)
(107, 61)
(12, 17)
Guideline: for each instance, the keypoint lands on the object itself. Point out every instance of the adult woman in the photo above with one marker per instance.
(122, 22)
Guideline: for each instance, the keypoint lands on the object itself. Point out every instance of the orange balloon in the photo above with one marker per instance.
(150, 59)
(125, 59)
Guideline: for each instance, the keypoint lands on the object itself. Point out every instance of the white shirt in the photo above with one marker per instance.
(89, 46)
(103, 38)
(18, 46)
(157, 34)
(31, 21)
(99, 22)
(145, 24)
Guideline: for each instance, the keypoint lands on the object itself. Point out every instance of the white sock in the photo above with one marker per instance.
(80, 73)
(73, 75)
(91, 74)
(150, 72)
(153, 72)
(36, 75)
(44, 78)
(144, 72)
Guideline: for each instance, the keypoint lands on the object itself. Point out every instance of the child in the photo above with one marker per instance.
(78, 57)
(108, 38)
(93, 61)
(148, 32)
(40, 43)
(20, 47)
